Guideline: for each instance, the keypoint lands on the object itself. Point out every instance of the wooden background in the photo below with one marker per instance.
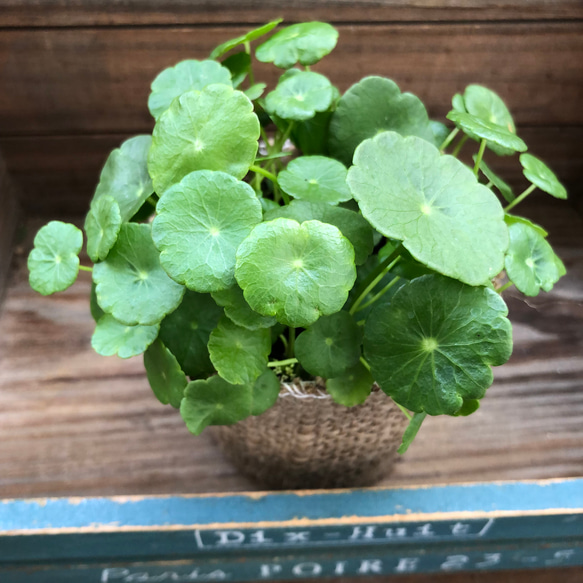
(74, 81)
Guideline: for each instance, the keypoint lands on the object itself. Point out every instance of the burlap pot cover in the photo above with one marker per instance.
(307, 441)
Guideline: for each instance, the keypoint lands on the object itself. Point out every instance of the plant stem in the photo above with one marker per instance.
(520, 197)
(449, 139)
(459, 146)
(364, 363)
(377, 274)
(504, 287)
(479, 157)
(251, 77)
(284, 341)
(489, 184)
(380, 294)
(84, 268)
(263, 172)
(307, 67)
(282, 362)
(292, 341)
(404, 411)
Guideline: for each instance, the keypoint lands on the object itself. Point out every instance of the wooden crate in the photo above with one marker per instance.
(75, 76)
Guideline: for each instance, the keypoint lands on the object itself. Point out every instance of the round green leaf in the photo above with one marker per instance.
(265, 392)
(298, 97)
(245, 38)
(440, 131)
(512, 219)
(432, 347)
(531, 263)
(433, 203)
(53, 264)
(542, 176)
(294, 272)
(371, 106)
(239, 354)
(112, 337)
(504, 188)
(164, 374)
(125, 176)
(212, 129)
(239, 311)
(458, 104)
(131, 284)
(185, 76)
(351, 224)
(305, 43)
(487, 105)
(478, 128)
(351, 388)
(102, 227)
(315, 179)
(199, 225)
(186, 332)
(214, 402)
(329, 346)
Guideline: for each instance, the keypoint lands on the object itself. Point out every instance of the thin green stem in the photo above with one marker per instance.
(251, 77)
(264, 172)
(489, 184)
(285, 362)
(377, 274)
(292, 341)
(283, 341)
(459, 146)
(364, 363)
(404, 411)
(504, 287)
(379, 294)
(479, 157)
(83, 268)
(449, 139)
(307, 67)
(520, 197)
(153, 200)
(280, 143)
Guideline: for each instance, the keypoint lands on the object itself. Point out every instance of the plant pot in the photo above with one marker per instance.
(306, 440)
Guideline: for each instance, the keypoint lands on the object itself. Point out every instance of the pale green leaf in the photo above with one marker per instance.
(531, 264)
(53, 264)
(212, 129)
(112, 337)
(102, 227)
(512, 219)
(432, 347)
(125, 176)
(200, 223)
(351, 224)
(305, 43)
(294, 272)
(255, 91)
(239, 354)
(214, 402)
(186, 332)
(315, 179)
(371, 106)
(433, 203)
(330, 346)
(165, 376)
(245, 38)
(352, 387)
(239, 311)
(131, 284)
(542, 176)
(185, 76)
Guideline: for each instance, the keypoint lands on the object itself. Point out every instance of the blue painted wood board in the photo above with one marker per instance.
(423, 529)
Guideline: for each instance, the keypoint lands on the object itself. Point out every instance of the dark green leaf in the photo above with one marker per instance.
(186, 332)
(164, 374)
(440, 131)
(265, 392)
(112, 337)
(239, 311)
(200, 223)
(239, 65)
(96, 311)
(330, 346)
(373, 105)
(53, 264)
(432, 347)
(469, 407)
(131, 284)
(352, 387)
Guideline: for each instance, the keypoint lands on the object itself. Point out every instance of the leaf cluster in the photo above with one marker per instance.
(294, 231)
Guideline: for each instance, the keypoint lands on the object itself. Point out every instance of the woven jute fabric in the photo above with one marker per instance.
(307, 441)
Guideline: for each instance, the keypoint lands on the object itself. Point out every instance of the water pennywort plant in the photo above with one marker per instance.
(366, 253)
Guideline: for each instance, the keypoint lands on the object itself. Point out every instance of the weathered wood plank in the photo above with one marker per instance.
(18, 13)
(97, 80)
(57, 175)
(75, 423)
(9, 214)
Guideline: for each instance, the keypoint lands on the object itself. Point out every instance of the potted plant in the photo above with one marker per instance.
(313, 273)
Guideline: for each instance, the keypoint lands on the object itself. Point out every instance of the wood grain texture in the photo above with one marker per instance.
(75, 423)
(9, 215)
(57, 175)
(97, 80)
(68, 13)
